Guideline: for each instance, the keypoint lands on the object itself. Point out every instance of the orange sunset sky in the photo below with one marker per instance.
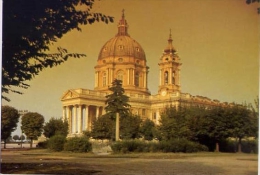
(217, 41)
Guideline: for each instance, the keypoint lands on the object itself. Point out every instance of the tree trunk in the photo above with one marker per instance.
(31, 143)
(117, 126)
(217, 147)
(239, 145)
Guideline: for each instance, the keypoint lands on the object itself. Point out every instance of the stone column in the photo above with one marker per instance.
(64, 113)
(145, 74)
(157, 116)
(86, 119)
(74, 119)
(111, 75)
(170, 76)
(133, 78)
(96, 79)
(70, 119)
(128, 76)
(97, 112)
(80, 119)
(107, 76)
(103, 110)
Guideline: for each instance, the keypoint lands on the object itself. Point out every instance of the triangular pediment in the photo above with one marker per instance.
(69, 94)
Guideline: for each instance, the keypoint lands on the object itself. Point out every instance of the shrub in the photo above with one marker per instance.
(56, 142)
(78, 144)
(130, 146)
(181, 145)
(43, 144)
(176, 145)
(247, 145)
(250, 146)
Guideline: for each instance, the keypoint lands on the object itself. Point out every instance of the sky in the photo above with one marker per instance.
(217, 42)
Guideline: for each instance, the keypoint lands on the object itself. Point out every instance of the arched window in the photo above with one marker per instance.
(137, 79)
(173, 77)
(166, 77)
(120, 75)
(104, 79)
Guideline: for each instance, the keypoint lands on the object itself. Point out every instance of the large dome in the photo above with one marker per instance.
(122, 44)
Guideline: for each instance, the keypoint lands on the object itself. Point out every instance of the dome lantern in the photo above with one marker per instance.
(122, 25)
(170, 48)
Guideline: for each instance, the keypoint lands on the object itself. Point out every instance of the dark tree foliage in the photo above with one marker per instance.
(117, 101)
(9, 120)
(252, 1)
(56, 127)
(210, 127)
(174, 124)
(30, 27)
(244, 123)
(197, 123)
(32, 125)
(103, 128)
(219, 124)
(130, 127)
(147, 129)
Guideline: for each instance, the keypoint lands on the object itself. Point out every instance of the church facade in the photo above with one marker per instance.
(123, 58)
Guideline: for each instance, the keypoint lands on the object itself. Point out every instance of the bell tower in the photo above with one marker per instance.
(169, 70)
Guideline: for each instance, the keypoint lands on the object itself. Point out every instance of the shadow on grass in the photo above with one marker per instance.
(45, 168)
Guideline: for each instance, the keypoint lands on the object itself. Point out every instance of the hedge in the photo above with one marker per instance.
(78, 144)
(177, 145)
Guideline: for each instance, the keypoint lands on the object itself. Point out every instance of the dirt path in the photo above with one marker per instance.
(28, 162)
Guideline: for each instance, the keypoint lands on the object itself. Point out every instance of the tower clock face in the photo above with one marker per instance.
(163, 93)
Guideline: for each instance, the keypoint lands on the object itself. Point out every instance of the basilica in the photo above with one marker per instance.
(122, 57)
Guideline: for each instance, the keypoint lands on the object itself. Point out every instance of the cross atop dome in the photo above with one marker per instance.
(122, 25)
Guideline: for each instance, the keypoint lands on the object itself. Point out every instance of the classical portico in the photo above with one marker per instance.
(80, 109)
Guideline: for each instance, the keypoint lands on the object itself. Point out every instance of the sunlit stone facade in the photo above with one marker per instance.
(123, 58)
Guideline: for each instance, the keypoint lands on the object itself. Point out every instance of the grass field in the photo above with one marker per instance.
(37, 161)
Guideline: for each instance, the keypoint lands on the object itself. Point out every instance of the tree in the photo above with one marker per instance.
(147, 129)
(197, 124)
(103, 128)
(243, 123)
(9, 120)
(174, 124)
(56, 127)
(32, 125)
(117, 103)
(22, 138)
(130, 126)
(219, 124)
(16, 137)
(30, 27)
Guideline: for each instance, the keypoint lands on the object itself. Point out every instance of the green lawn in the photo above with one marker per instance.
(39, 161)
